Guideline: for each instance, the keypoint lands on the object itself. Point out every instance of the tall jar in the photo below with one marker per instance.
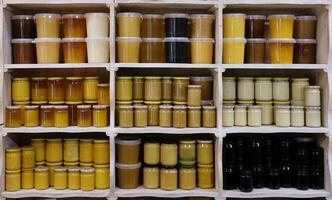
(38, 89)
(179, 116)
(101, 149)
(313, 117)
(240, 115)
(71, 150)
(141, 116)
(194, 116)
(90, 88)
(187, 152)
(267, 112)
(165, 115)
(169, 154)
(153, 112)
(100, 116)
(263, 89)
(124, 88)
(229, 88)
(13, 180)
(227, 116)
(20, 89)
(187, 177)
(151, 153)
(297, 116)
(194, 95)
(28, 157)
(166, 89)
(205, 151)
(46, 115)
(74, 89)
(280, 89)
(84, 116)
(312, 96)
(102, 176)
(103, 94)
(60, 178)
(86, 150)
(28, 179)
(74, 178)
(54, 150)
(61, 116)
(138, 88)
(245, 89)
(39, 145)
(254, 116)
(282, 114)
(180, 85)
(152, 88)
(298, 86)
(209, 116)
(152, 26)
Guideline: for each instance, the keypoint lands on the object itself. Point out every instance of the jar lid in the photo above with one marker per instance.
(167, 78)
(54, 140)
(86, 165)
(13, 171)
(22, 40)
(176, 39)
(280, 78)
(264, 102)
(254, 107)
(262, 17)
(27, 17)
(140, 106)
(40, 163)
(87, 169)
(71, 163)
(201, 78)
(207, 102)
(129, 14)
(124, 102)
(128, 166)
(205, 166)
(129, 39)
(37, 140)
(194, 107)
(239, 40)
(13, 107)
(166, 102)
(245, 102)
(282, 106)
(101, 141)
(128, 141)
(27, 169)
(308, 17)
(240, 107)
(38, 78)
(90, 102)
(103, 85)
(124, 77)
(263, 78)
(152, 102)
(74, 78)
(281, 17)
(205, 141)
(102, 39)
(297, 107)
(227, 106)
(312, 107)
(152, 77)
(312, 87)
(71, 140)
(47, 15)
(281, 102)
(21, 102)
(300, 79)
(55, 78)
(187, 141)
(28, 148)
(91, 77)
(169, 169)
(194, 86)
(74, 102)
(126, 107)
(234, 15)
(31, 107)
(101, 166)
(96, 14)
(60, 169)
(51, 40)
(179, 107)
(211, 40)
(153, 40)
(99, 106)
(73, 16)
(306, 41)
(209, 107)
(86, 140)
(152, 16)
(176, 15)
(84, 106)
(281, 40)
(180, 78)
(256, 40)
(13, 149)
(74, 169)
(61, 107)
(202, 16)
(165, 106)
(41, 169)
(65, 40)
(38, 102)
(21, 79)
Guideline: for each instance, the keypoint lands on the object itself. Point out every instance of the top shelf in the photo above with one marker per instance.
(276, 2)
(57, 2)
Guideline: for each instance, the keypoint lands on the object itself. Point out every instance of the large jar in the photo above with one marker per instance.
(240, 115)
(100, 116)
(305, 27)
(313, 117)
(245, 89)
(205, 152)
(128, 49)
(234, 25)
(23, 51)
(61, 116)
(168, 179)
(128, 175)
(151, 177)
(101, 152)
(31, 116)
(207, 86)
(152, 26)
(312, 96)
(128, 24)
(187, 177)
(166, 89)
(124, 88)
(267, 112)
(60, 178)
(42, 179)
(152, 88)
(255, 50)
(165, 115)
(56, 90)
(138, 88)
(202, 50)
(13, 158)
(281, 51)
(151, 153)
(47, 50)
(54, 150)
(90, 86)
(280, 89)
(102, 176)
(74, 89)
(28, 157)
(263, 89)
(255, 26)
(86, 150)
(47, 25)
(305, 51)
(180, 116)
(13, 180)
(205, 176)
(23, 26)
(97, 24)
(71, 150)
(152, 50)
(126, 116)
(229, 88)
(39, 145)
(254, 116)
(281, 26)
(282, 114)
(187, 152)
(180, 85)
(20, 89)
(169, 154)
(74, 50)
(74, 26)
(128, 150)
(297, 116)
(227, 116)
(194, 95)
(84, 116)
(153, 112)
(141, 116)
(13, 117)
(87, 179)
(202, 25)
(233, 50)
(176, 24)
(194, 117)
(38, 89)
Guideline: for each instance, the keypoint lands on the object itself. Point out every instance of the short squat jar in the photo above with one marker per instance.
(283, 115)
(297, 116)
(313, 117)
(254, 116)
(177, 49)
(312, 96)
(227, 116)
(240, 115)
(246, 89)
(280, 89)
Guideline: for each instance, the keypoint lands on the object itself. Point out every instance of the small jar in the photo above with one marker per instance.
(61, 116)
(28, 179)
(313, 117)
(151, 177)
(205, 176)
(74, 178)
(298, 86)
(84, 116)
(209, 116)
(205, 152)
(168, 179)
(168, 154)
(28, 157)
(126, 116)
(90, 86)
(46, 115)
(54, 151)
(86, 150)
(13, 180)
(194, 117)
(180, 86)
(56, 90)
(31, 116)
(151, 153)
(138, 88)
(305, 27)
(13, 116)
(103, 94)
(282, 114)
(254, 116)
(101, 152)
(255, 50)
(187, 152)
(51, 166)
(267, 112)
(165, 115)
(227, 116)
(71, 150)
(38, 89)
(280, 89)
(187, 177)
(141, 116)
(245, 89)
(102, 177)
(99, 116)
(128, 175)
(124, 88)
(207, 86)
(13, 158)
(297, 116)
(179, 116)
(74, 89)
(60, 178)
(20, 89)
(312, 96)
(153, 112)
(39, 145)
(229, 88)
(166, 88)
(128, 150)
(194, 95)
(42, 175)
(240, 115)
(152, 88)
(87, 179)
(305, 51)
(263, 89)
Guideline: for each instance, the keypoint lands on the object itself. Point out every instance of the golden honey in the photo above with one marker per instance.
(71, 150)
(101, 151)
(87, 179)
(74, 89)
(124, 88)
(168, 179)
(152, 88)
(205, 152)
(194, 117)
(102, 176)
(151, 153)
(56, 90)
(13, 180)
(46, 115)
(165, 115)
(60, 178)
(86, 150)
(166, 88)
(128, 150)
(169, 154)
(180, 86)
(141, 116)
(39, 145)
(126, 116)
(84, 115)
(13, 158)
(187, 177)
(28, 157)
(90, 88)
(38, 89)
(20, 89)
(179, 116)
(61, 116)
(28, 179)
(51, 167)
(153, 112)
(103, 94)
(205, 176)
(100, 118)
(13, 116)
(54, 150)
(74, 178)
(42, 181)
(31, 116)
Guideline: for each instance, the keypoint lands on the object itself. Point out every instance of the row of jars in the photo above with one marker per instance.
(178, 116)
(59, 116)
(165, 89)
(60, 90)
(268, 89)
(264, 113)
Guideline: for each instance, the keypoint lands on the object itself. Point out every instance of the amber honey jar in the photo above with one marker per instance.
(74, 89)
(103, 94)
(38, 89)
(74, 26)
(24, 51)
(23, 26)
(84, 115)
(90, 85)
(31, 116)
(20, 89)
(152, 26)
(305, 51)
(61, 116)
(56, 90)
(74, 50)
(46, 115)
(152, 50)
(13, 116)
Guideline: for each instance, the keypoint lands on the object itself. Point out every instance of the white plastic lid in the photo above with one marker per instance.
(194, 107)
(47, 15)
(128, 141)
(129, 39)
(262, 17)
(297, 107)
(140, 106)
(53, 40)
(31, 107)
(202, 16)
(205, 141)
(65, 40)
(165, 106)
(306, 41)
(176, 39)
(153, 16)
(242, 40)
(281, 17)
(210, 107)
(312, 108)
(27, 17)
(22, 40)
(313, 87)
(311, 18)
(234, 15)
(179, 107)
(13, 107)
(74, 169)
(240, 106)
(256, 40)
(153, 40)
(46, 106)
(281, 40)
(126, 107)
(227, 107)
(73, 16)
(254, 107)
(129, 14)
(201, 78)
(176, 15)
(87, 169)
(84, 106)
(202, 40)
(282, 106)
(61, 107)
(128, 166)
(97, 39)
(96, 14)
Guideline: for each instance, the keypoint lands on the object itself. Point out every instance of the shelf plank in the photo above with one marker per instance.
(140, 191)
(274, 129)
(57, 66)
(297, 2)
(57, 2)
(157, 129)
(70, 129)
(165, 65)
(52, 193)
(275, 66)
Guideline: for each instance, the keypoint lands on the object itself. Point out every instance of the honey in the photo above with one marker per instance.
(87, 179)
(51, 167)
(20, 89)
(179, 116)
(74, 50)
(90, 85)
(61, 116)
(31, 116)
(205, 152)
(46, 115)
(187, 177)
(168, 179)
(165, 115)
(151, 153)
(60, 178)
(86, 151)
(39, 145)
(141, 116)
(151, 177)
(153, 112)
(74, 89)
(138, 88)
(13, 180)
(74, 26)
(103, 94)
(152, 50)
(56, 90)
(128, 150)
(74, 178)
(13, 116)
(71, 150)
(102, 176)
(28, 157)
(54, 151)
(152, 26)
(84, 115)
(194, 117)
(101, 149)
(205, 176)
(127, 175)
(38, 89)
(99, 116)
(126, 116)
(169, 154)
(180, 86)
(13, 158)
(166, 88)
(28, 179)
(124, 88)
(209, 117)
(152, 88)
(194, 95)
(41, 178)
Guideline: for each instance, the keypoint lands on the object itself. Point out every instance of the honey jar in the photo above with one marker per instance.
(54, 151)
(38, 89)
(31, 116)
(128, 150)
(61, 116)
(205, 176)
(153, 112)
(13, 180)
(90, 85)
(28, 179)
(104, 94)
(169, 179)
(74, 178)
(124, 88)
(169, 154)
(71, 150)
(56, 90)
(60, 178)
(51, 166)
(179, 116)
(209, 117)
(13, 158)
(46, 115)
(187, 177)
(180, 85)
(165, 115)
(141, 116)
(205, 152)
(126, 116)
(194, 95)
(28, 157)
(151, 153)
(102, 176)
(39, 145)
(20, 89)
(42, 178)
(194, 116)
(86, 150)
(151, 177)
(99, 116)
(74, 89)
(87, 179)
(84, 116)
(152, 88)
(101, 151)
(13, 116)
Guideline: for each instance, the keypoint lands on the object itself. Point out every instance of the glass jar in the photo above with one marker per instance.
(39, 145)
(194, 95)
(151, 153)
(166, 88)
(74, 178)
(138, 88)
(297, 116)
(103, 94)
(20, 89)
(141, 116)
(42, 175)
(245, 89)
(51, 166)
(312, 96)
(229, 88)
(102, 176)
(254, 116)
(152, 50)
(71, 150)
(74, 88)
(28, 157)
(61, 116)
(207, 86)
(180, 85)
(13, 180)
(101, 152)
(280, 89)
(152, 26)
(56, 90)
(165, 115)
(205, 152)
(84, 116)
(313, 117)
(60, 178)
(128, 49)
(128, 150)
(263, 89)
(152, 88)
(74, 50)
(194, 116)
(202, 50)
(86, 150)
(151, 177)
(153, 112)
(54, 151)
(124, 88)
(13, 158)
(267, 112)
(179, 116)
(168, 179)
(90, 86)
(31, 116)
(227, 116)
(28, 179)
(168, 154)
(240, 115)
(187, 177)
(126, 116)
(99, 116)
(72, 112)
(282, 114)
(87, 178)
(13, 116)
(38, 89)
(187, 152)
(298, 86)
(205, 176)
(46, 115)
(128, 175)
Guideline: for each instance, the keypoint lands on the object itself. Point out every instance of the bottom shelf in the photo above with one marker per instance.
(52, 193)
(141, 191)
(282, 192)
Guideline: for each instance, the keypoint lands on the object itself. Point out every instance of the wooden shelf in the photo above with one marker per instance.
(52, 193)
(274, 129)
(57, 66)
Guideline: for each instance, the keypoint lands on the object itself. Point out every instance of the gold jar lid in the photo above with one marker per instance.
(180, 78)
(46, 106)
(91, 78)
(54, 140)
(61, 107)
(41, 169)
(124, 78)
(38, 78)
(152, 102)
(74, 102)
(21, 102)
(209, 107)
(99, 107)
(101, 141)
(84, 106)
(39, 102)
(60, 169)
(194, 107)
(56, 102)
(71, 140)
(74, 78)
(55, 78)
(40, 163)
(124, 102)
(28, 107)
(27, 169)
(103, 85)
(86, 140)
(90, 102)
(101, 166)
(179, 107)
(87, 169)
(152, 77)
(204, 141)
(86, 164)
(14, 107)
(205, 166)
(13, 171)
(53, 164)
(187, 141)
(13, 149)
(21, 79)
(28, 148)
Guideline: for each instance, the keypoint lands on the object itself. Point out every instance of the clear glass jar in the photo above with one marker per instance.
(282, 114)
(126, 116)
(187, 177)
(298, 86)
(99, 116)
(168, 179)
(207, 86)
(84, 116)
(313, 117)
(169, 154)
(71, 150)
(312, 96)
(153, 112)
(297, 116)
(151, 177)
(20, 89)
(54, 151)
(267, 112)
(280, 89)
(102, 176)
(263, 89)
(86, 150)
(28, 157)
(165, 115)
(166, 89)
(13, 158)
(74, 89)
(151, 153)
(39, 145)
(74, 178)
(42, 177)
(205, 176)
(56, 90)
(72, 112)
(194, 95)
(240, 115)
(38, 89)
(51, 166)
(227, 116)
(61, 116)
(60, 178)
(46, 115)
(124, 88)
(90, 88)
(138, 88)
(28, 179)
(31, 116)
(103, 94)
(254, 116)
(187, 152)
(209, 116)
(180, 85)
(141, 115)
(152, 88)
(101, 149)
(228, 88)
(194, 116)
(205, 152)
(13, 180)
(13, 116)
(87, 178)
(245, 89)
(179, 116)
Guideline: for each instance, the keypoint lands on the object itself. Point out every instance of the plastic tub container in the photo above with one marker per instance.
(24, 51)
(305, 51)
(176, 25)
(74, 26)
(74, 50)
(177, 49)
(48, 50)
(234, 25)
(98, 49)
(129, 24)
(152, 26)
(202, 25)
(233, 50)
(202, 50)
(128, 49)
(127, 175)
(97, 24)
(281, 51)
(255, 26)
(281, 26)
(23, 26)
(47, 25)
(152, 50)
(128, 150)
(255, 50)
(305, 27)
